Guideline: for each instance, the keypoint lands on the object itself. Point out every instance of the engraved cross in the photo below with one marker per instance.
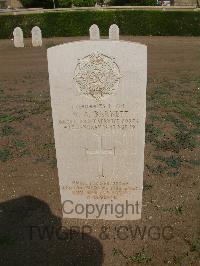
(100, 152)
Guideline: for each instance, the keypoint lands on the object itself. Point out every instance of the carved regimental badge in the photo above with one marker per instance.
(97, 75)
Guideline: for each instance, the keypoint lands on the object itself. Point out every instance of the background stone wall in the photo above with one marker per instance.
(14, 3)
(185, 2)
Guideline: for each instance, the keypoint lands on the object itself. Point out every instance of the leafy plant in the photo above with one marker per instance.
(84, 2)
(195, 245)
(5, 154)
(64, 3)
(133, 2)
(37, 3)
(19, 144)
(172, 161)
(8, 130)
(7, 118)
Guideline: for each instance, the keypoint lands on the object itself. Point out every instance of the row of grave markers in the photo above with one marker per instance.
(37, 35)
(19, 37)
(113, 32)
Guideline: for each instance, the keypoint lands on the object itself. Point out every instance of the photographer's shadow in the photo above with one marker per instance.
(31, 235)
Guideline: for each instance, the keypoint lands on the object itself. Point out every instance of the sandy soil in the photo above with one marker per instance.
(30, 200)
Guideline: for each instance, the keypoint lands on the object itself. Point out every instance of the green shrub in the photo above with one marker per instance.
(133, 2)
(58, 3)
(63, 3)
(37, 3)
(84, 2)
(130, 22)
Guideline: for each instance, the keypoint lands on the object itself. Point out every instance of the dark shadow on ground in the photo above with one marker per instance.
(31, 235)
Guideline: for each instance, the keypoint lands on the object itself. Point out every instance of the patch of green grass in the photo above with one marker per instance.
(160, 96)
(196, 80)
(47, 154)
(5, 154)
(179, 111)
(8, 130)
(165, 209)
(154, 117)
(195, 131)
(41, 108)
(157, 170)
(194, 245)
(49, 146)
(162, 90)
(7, 118)
(192, 116)
(173, 119)
(185, 140)
(178, 210)
(139, 257)
(172, 161)
(19, 148)
(19, 144)
(152, 133)
(166, 145)
(147, 186)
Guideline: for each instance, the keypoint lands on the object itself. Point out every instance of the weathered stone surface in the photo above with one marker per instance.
(18, 37)
(36, 36)
(98, 98)
(114, 32)
(94, 33)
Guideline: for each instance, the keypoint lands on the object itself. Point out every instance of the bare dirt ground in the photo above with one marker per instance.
(169, 232)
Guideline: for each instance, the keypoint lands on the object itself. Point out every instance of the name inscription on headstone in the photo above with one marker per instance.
(100, 116)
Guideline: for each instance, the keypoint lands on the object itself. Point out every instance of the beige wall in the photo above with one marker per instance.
(185, 2)
(14, 3)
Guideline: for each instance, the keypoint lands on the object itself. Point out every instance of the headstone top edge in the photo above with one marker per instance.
(35, 27)
(17, 28)
(94, 32)
(114, 32)
(97, 42)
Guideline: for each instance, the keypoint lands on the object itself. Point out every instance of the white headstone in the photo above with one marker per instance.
(114, 32)
(18, 37)
(36, 36)
(94, 32)
(98, 98)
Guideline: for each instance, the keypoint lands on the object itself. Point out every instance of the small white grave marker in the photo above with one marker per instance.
(18, 37)
(114, 32)
(94, 33)
(36, 36)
